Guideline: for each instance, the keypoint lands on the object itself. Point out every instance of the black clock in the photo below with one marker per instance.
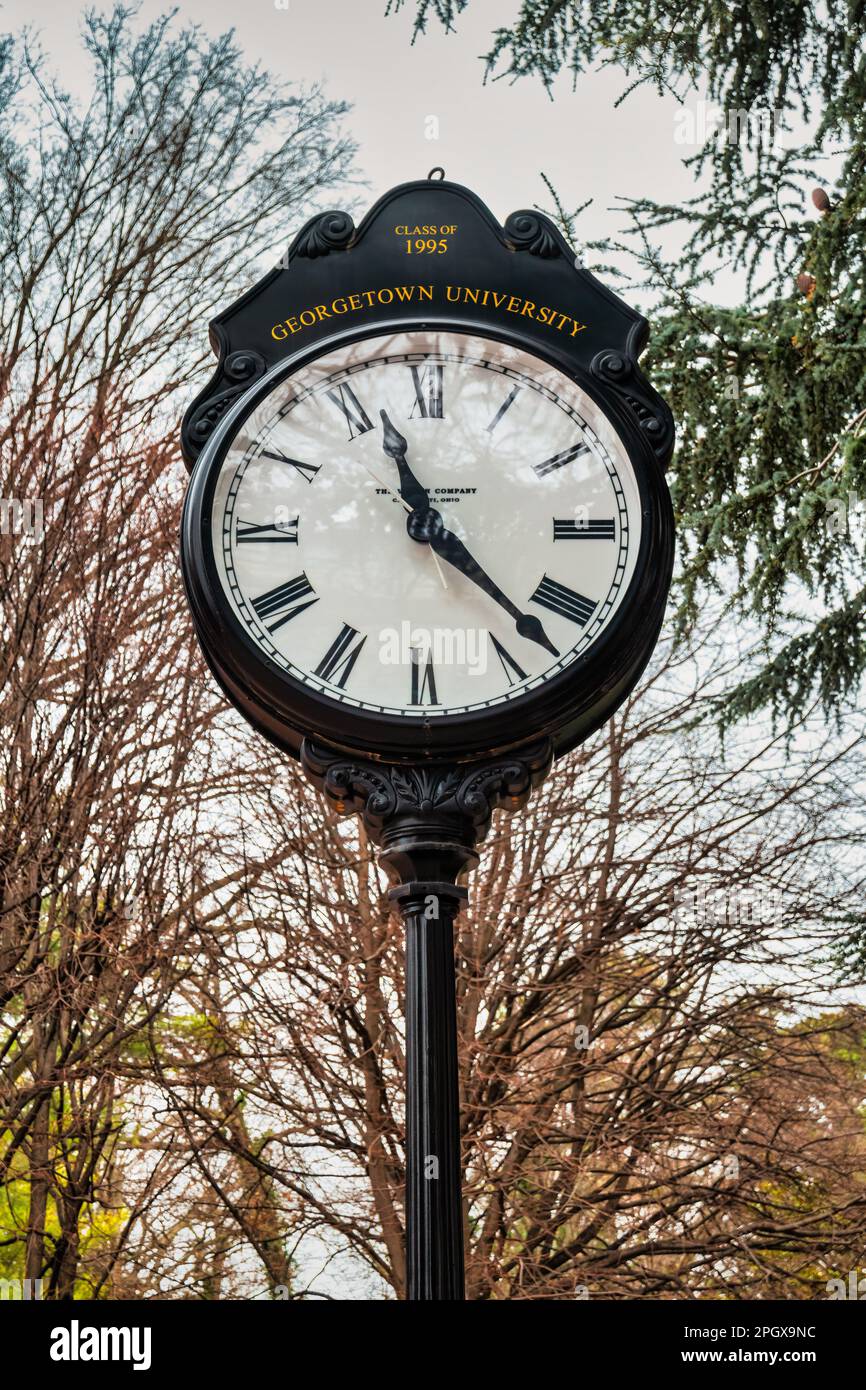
(428, 516)
(427, 545)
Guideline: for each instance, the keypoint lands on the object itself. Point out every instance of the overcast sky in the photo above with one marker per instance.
(495, 138)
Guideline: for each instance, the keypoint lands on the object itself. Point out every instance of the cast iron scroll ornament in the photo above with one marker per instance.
(620, 373)
(330, 231)
(238, 372)
(530, 231)
(413, 813)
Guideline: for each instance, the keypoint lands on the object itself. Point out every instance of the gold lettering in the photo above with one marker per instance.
(454, 294)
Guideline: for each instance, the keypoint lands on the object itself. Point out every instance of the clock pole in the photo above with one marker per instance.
(434, 1209)
(426, 821)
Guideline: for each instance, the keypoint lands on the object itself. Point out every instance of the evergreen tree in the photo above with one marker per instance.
(769, 478)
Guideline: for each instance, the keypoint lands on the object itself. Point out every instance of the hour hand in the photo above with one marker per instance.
(395, 446)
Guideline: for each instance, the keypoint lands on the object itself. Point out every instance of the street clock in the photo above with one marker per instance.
(428, 515)
(427, 545)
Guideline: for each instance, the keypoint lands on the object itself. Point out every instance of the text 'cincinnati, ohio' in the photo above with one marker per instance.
(499, 300)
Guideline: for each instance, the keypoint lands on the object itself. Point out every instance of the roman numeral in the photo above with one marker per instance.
(357, 418)
(507, 662)
(559, 460)
(428, 392)
(603, 530)
(307, 471)
(559, 599)
(423, 681)
(336, 665)
(509, 400)
(285, 531)
(284, 602)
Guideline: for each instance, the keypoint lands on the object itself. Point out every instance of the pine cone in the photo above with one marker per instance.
(820, 199)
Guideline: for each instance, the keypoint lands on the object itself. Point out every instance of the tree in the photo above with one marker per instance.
(200, 977)
(122, 225)
(661, 1092)
(769, 477)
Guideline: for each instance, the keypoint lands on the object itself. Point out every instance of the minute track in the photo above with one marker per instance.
(357, 522)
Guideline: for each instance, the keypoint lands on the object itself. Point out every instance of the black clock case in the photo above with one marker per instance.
(530, 259)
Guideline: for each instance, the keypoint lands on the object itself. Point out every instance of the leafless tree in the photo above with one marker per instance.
(123, 225)
(661, 1086)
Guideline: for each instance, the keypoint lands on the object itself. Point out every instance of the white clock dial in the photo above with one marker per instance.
(528, 535)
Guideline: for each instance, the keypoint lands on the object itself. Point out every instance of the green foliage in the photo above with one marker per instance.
(769, 478)
(98, 1227)
(792, 55)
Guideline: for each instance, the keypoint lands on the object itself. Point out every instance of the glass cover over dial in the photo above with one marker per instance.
(425, 523)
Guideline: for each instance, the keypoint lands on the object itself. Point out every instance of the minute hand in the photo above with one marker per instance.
(450, 547)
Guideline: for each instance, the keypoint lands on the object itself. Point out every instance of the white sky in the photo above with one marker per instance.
(495, 138)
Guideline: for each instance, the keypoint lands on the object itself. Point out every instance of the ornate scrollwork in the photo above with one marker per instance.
(330, 231)
(426, 787)
(467, 795)
(244, 366)
(506, 783)
(622, 374)
(241, 368)
(532, 232)
(350, 786)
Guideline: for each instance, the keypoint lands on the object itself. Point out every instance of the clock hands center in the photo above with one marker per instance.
(425, 525)
(407, 508)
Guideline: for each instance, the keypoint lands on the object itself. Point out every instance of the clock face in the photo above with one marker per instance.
(425, 524)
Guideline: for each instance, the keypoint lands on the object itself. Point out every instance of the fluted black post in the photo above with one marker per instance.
(427, 821)
(434, 1217)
